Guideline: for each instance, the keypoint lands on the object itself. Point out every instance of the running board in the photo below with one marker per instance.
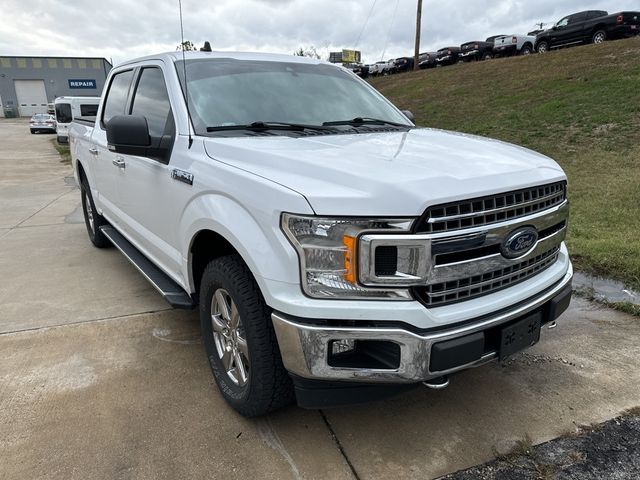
(170, 290)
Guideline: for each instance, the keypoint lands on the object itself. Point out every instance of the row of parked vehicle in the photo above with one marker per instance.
(591, 26)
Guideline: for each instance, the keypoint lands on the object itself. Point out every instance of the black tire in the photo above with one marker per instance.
(543, 47)
(598, 37)
(92, 220)
(526, 50)
(267, 385)
(486, 56)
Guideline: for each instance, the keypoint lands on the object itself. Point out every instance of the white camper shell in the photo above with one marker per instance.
(69, 108)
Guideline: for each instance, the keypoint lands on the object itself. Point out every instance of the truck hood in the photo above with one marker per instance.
(393, 174)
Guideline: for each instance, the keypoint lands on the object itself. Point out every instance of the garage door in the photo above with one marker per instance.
(32, 97)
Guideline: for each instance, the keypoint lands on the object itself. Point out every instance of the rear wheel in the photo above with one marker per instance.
(92, 219)
(240, 341)
(543, 47)
(599, 37)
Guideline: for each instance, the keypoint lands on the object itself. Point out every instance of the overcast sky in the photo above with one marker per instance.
(124, 29)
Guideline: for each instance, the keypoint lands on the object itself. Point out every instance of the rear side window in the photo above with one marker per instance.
(88, 110)
(596, 14)
(117, 95)
(578, 17)
(63, 113)
(151, 101)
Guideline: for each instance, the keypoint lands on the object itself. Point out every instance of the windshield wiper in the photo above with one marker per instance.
(358, 121)
(262, 126)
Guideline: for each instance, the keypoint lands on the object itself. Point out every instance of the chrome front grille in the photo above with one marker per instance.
(444, 293)
(491, 209)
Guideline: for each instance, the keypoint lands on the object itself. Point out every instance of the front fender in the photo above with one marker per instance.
(255, 234)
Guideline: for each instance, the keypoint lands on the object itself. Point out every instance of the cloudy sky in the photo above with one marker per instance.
(124, 29)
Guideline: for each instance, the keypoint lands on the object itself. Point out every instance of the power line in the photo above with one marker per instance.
(365, 24)
(393, 19)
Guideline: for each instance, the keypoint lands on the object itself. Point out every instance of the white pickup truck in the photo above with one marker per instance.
(507, 45)
(337, 252)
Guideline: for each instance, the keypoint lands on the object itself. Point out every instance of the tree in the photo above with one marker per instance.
(187, 46)
(310, 52)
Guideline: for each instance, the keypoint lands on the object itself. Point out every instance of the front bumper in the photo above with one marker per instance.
(306, 345)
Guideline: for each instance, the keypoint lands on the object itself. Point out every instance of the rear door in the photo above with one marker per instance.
(101, 158)
(146, 192)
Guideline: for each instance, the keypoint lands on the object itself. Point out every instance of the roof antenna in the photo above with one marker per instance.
(184, 71)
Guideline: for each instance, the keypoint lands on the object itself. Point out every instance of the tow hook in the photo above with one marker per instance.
(552, 325)
(439, 383)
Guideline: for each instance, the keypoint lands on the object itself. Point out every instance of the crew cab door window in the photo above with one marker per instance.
(151, 101)
(577, 18)
(116, 100)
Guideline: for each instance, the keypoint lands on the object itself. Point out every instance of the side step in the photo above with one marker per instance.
(170, 290)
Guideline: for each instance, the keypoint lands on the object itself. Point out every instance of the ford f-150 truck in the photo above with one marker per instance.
(336, 252)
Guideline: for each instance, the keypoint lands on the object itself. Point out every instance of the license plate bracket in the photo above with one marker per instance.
(520, 335)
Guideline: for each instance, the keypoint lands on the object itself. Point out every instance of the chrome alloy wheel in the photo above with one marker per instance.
(599, 37)
(87, 206)
(229, 337)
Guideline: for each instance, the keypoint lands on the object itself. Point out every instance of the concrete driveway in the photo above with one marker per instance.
(100, 379)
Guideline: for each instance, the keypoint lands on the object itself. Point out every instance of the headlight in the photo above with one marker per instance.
(332, 256)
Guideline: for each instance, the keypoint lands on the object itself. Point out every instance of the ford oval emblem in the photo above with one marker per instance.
(520, 242)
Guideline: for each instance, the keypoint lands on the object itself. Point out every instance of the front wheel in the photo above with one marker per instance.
(487, 56)
(599, 37)
(240, 341)
(543, 47)
(526, 50)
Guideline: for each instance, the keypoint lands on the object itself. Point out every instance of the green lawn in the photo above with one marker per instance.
(580, 106)
(63, 150)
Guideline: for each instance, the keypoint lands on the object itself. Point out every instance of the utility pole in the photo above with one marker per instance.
(416, 55)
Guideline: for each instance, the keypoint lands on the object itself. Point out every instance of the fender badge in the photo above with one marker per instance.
(182, 176)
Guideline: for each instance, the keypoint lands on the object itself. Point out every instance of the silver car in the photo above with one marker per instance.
(42, 122)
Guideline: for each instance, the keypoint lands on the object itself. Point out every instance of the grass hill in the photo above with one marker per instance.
(580, 106)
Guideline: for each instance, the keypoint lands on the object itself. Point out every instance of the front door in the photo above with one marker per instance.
(146, 192)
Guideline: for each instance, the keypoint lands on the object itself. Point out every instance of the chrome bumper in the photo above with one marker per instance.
(305, 348)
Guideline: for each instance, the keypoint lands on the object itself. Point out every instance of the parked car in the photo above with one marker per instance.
(515, 44)
(427, 60)
(68, 108)
(403, 64)
(330, 270)
(591, 26)
(478, 50)
(361, 70)
(42, 122)
(448, 56)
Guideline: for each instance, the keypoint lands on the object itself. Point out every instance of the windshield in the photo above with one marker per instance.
(227, 92)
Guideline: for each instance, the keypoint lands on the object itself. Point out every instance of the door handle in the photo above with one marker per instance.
(119, 162)
(93, 151)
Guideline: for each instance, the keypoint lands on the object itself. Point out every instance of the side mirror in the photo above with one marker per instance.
(555, 27)
(128, 134)
(409, 115)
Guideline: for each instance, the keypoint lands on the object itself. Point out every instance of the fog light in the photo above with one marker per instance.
(342, 346)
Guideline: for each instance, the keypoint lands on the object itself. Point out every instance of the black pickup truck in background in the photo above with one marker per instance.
(591, 26)
(448, 56)
(478, 50)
